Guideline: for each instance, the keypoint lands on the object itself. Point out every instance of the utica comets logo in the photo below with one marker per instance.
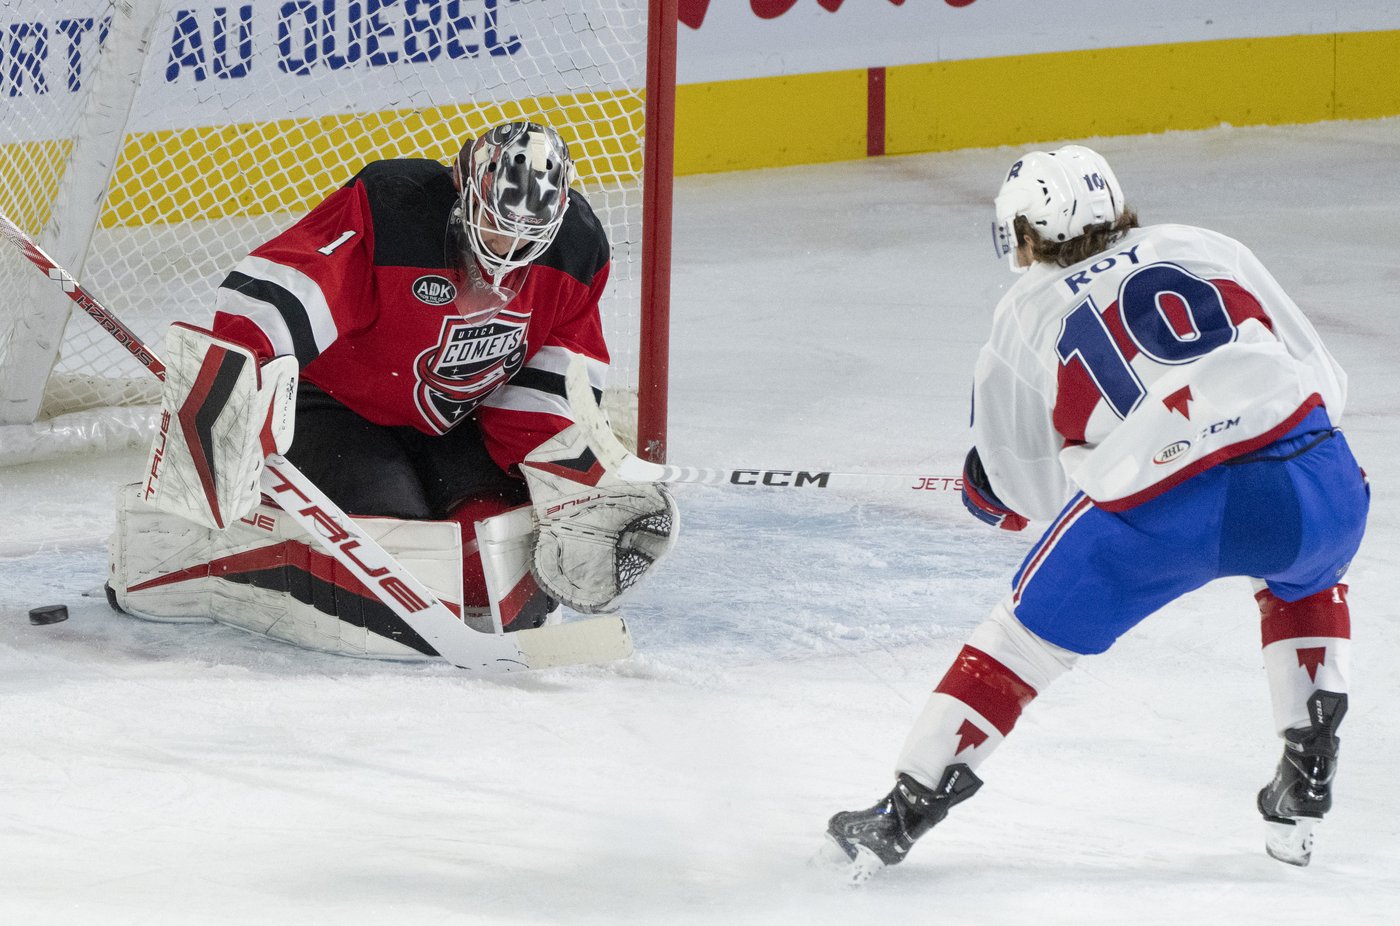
(467, 364)
(434, 290)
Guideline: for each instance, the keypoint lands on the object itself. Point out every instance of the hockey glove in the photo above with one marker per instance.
(979, 498)
(221, 415)
(598, 535)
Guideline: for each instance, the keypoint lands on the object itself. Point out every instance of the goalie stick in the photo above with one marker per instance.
(617, 460)
(594, 640)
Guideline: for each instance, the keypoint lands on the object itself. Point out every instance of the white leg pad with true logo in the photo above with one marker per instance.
(266, 575)
(506, 544)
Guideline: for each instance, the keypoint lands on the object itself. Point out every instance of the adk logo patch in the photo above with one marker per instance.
(434, 290)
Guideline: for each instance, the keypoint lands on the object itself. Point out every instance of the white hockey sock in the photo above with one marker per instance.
(997, 673)
(1307, 647)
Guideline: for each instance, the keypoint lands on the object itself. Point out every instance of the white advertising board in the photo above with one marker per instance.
(734, 39)
(214, 62)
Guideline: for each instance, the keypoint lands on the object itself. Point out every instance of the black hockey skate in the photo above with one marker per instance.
(1301, 792)
(868, 840)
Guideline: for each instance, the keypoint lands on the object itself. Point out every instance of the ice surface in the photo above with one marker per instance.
(824, 317)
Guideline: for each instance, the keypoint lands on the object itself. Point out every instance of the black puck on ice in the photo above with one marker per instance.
(48, 614)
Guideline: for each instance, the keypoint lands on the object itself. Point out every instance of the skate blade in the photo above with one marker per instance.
(852, 872)
(1290, 843)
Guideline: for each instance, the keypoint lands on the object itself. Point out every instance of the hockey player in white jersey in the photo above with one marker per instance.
(1154, 395)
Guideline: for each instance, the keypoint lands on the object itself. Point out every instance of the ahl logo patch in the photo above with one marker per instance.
(1171, 451)
(434, 290)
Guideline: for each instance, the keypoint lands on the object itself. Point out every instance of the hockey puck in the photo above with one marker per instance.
(48, 614)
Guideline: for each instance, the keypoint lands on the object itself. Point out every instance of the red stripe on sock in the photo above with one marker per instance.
(1322, 615)
(988, 687)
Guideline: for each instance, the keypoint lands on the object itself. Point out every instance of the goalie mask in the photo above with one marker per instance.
(514, 190)
(1061, 193)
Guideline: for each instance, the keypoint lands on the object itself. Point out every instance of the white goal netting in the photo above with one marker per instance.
(149, 144)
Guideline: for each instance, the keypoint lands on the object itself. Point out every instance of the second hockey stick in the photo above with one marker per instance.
(595, 640)
(616, 458)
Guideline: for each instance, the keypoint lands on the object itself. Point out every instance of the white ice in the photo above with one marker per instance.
(824, 318)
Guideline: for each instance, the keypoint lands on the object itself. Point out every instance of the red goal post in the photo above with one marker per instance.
(150, 144)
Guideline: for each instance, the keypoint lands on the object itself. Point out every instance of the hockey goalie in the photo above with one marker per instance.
(404, 345)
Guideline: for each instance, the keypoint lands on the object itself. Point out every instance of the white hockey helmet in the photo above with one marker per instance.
(514, 182)
(1060, 193)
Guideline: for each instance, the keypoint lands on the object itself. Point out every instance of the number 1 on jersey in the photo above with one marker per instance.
(329, 249)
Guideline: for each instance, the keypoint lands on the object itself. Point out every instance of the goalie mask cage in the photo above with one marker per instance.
(148, 145)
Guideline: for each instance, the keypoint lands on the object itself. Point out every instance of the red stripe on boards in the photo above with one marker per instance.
(874, 112)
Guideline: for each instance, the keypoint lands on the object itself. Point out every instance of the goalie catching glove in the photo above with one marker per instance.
(221, 415)
(598, 535)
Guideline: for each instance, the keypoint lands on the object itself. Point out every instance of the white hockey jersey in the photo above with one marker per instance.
(1128, 373)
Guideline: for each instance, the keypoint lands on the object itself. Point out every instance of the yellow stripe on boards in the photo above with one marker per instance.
(288, 165)
(811, 118)
(1368, 75)
(1115, 91)
(770, 122)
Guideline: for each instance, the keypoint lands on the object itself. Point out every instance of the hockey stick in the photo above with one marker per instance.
(594, 640)
(617, 460)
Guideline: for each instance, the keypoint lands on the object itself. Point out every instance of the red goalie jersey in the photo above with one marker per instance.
(363, 292)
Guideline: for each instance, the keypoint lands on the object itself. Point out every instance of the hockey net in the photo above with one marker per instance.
(150, 144)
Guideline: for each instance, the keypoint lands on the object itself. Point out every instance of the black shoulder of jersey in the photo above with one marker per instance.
(581, 249)
(410, 203)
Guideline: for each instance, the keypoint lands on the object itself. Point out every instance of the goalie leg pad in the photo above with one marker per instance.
(264, 574)
(506, 545)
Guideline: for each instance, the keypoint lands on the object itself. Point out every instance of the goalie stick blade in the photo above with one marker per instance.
(592, 641)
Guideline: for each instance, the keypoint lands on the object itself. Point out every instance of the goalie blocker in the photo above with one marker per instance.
(222, 413)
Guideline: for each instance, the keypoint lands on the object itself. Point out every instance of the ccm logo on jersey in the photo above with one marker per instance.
(434, 290)
(1172, 451)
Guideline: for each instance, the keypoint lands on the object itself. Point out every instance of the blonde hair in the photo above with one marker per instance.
(1095, 238)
